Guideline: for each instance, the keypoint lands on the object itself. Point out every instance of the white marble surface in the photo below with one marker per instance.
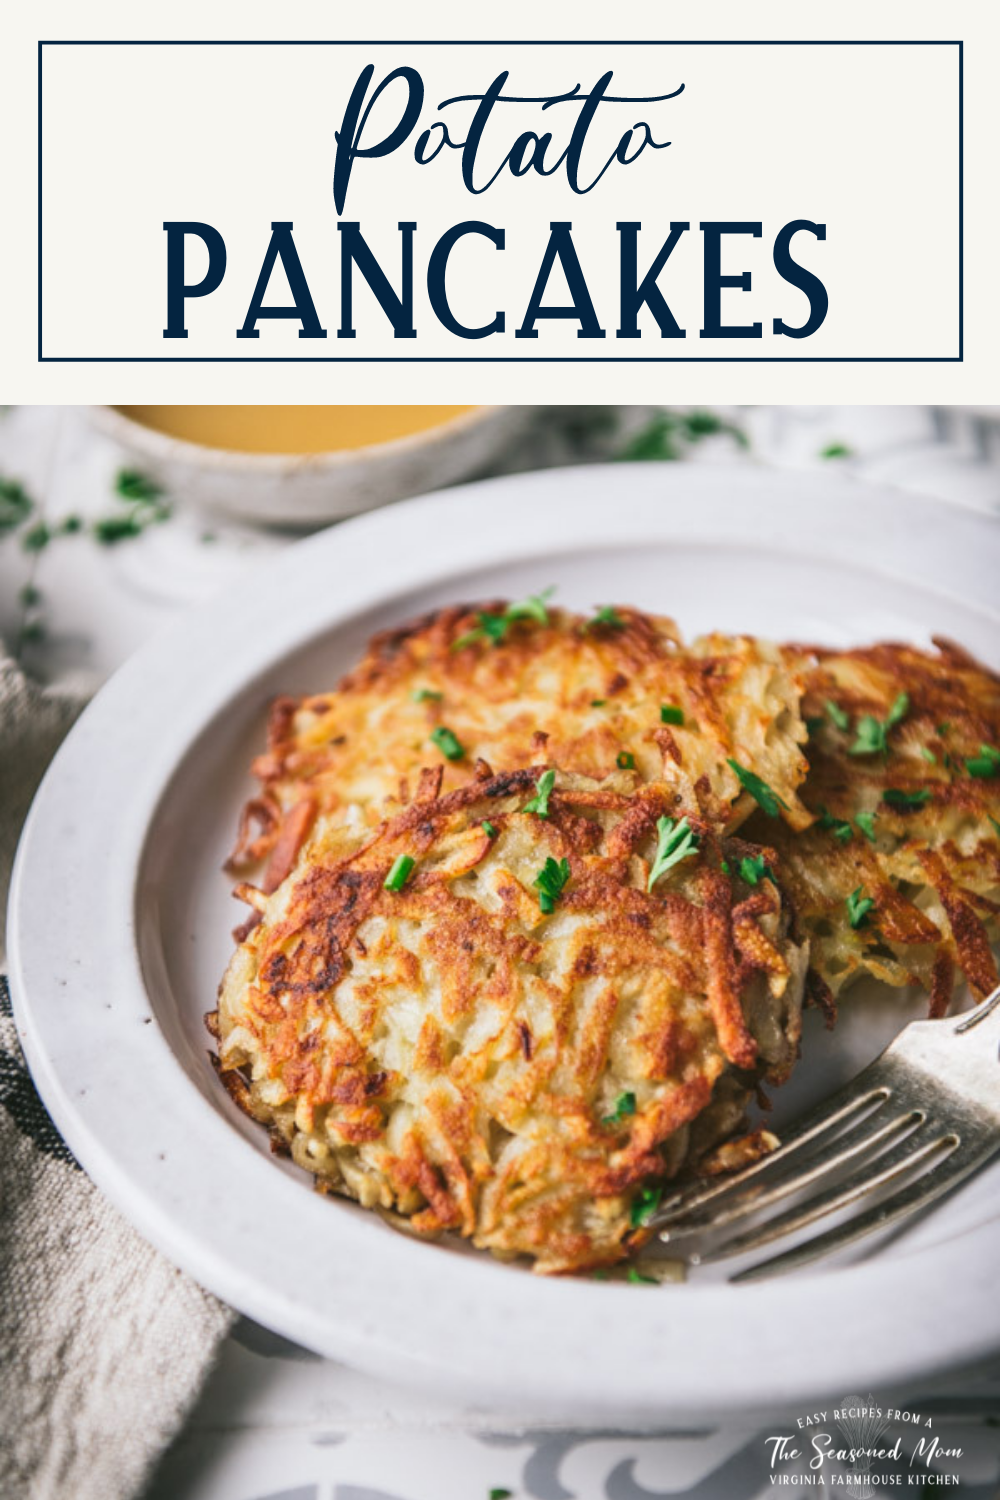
(275, 1423)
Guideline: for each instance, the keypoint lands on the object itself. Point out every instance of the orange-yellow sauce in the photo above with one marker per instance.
(290, 429)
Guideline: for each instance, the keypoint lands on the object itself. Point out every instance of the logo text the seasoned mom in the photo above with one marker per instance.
(863, 1448)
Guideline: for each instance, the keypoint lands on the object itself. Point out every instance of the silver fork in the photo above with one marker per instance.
(926, 1114)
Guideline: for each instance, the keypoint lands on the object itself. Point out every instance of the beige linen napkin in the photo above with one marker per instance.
(103, 1344)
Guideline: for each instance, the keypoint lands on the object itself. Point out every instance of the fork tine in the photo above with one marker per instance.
(939, 1180)
(866, 1090)
(854, 1142)
(913, 1152)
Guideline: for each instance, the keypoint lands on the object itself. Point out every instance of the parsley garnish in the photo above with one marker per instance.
(993, 820)
(624, 1105)
(836, 450)
(447, 743)
(759, 790)
(493, 627)
(866, 822)
(490, 829)
(898, 798)
(754, 869)
(644, 1206)
(942, 729)
(496, 1494)
(872, 733)
(112, 529)
(397, 877)
(986, 763)
(837, 715)
(625, 761)
(637, 1278)
(840, 829)
(814, 724)
(598, 702)
(15, 504)
(539, 803)
(29, 596)
(858, 906)
(670, 714)
(724, 866)
(130, 484)
(928, 755)
(606, 615)
(676, 841)
(549, 883)
(426, 695)
(36, 538)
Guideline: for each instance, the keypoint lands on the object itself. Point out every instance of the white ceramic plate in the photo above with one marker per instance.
(120, 919)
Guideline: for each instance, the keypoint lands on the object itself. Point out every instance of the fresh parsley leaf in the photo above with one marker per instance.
(671, 714)
(624, 1105)
(397, 877)
(644, 1206)
(986, 763)
(755, 868)
(836, 450)
(132, 485)
(840, 829)
(675, 841)
(549, 883)
(598, 702)
(499, 1494)
(759, 790)
(490, 828)
(858, 906)
(606, 615)
(493, 627)
(724, 866)
(426, 695)
(69, 525)
(866, 822)
(837, 715)
(872, 733)
(898, 798)
(29, 596)
(448, 743)
(942, 729)
(539, 803)
(109, 530)
(993, 820)
(625, 761)
(637, 1278)
(928, 755)
(16, 505)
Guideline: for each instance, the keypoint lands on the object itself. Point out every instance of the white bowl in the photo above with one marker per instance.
(310, 489)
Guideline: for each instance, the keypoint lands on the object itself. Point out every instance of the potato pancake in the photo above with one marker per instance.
(899, 876)
(518, 1001)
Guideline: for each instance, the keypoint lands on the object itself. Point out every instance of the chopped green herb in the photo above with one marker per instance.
(16, 504)
(207, 538)
(490, 828)
(68, 525)
(837, 715)
(755, 868)
(539, 803)
(724, 866)
(447, 743)
(759, 790)
(670, 714)
(397, 877)
(840, 829)
(675, 841)
(942, 729)
(928, 755)
(426, 695)
(898, 798)
(498, 1494)
(110, 530)
(606, 615)
(662, 439)
(993, 820)
(637, 1278)
(550, 881)
(814, 724)
(644, 1206)
(493, 627)
(29, 596)
(836, 450)
(866, 822)
(872, 733)
(624, 1105)
(986, 763)
(625, 761)
(130, 484)
(36, 538)
(598, 702)
(32, 632)
(858, 906)
(600, 1274)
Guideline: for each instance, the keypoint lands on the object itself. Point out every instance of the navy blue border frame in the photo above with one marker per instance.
(516, 359)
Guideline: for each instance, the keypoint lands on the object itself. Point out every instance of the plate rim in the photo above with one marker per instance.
(629, 1378)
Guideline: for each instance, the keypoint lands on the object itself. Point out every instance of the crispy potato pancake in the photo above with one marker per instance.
(513, 685)
(900, 875)
(518, 1035)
